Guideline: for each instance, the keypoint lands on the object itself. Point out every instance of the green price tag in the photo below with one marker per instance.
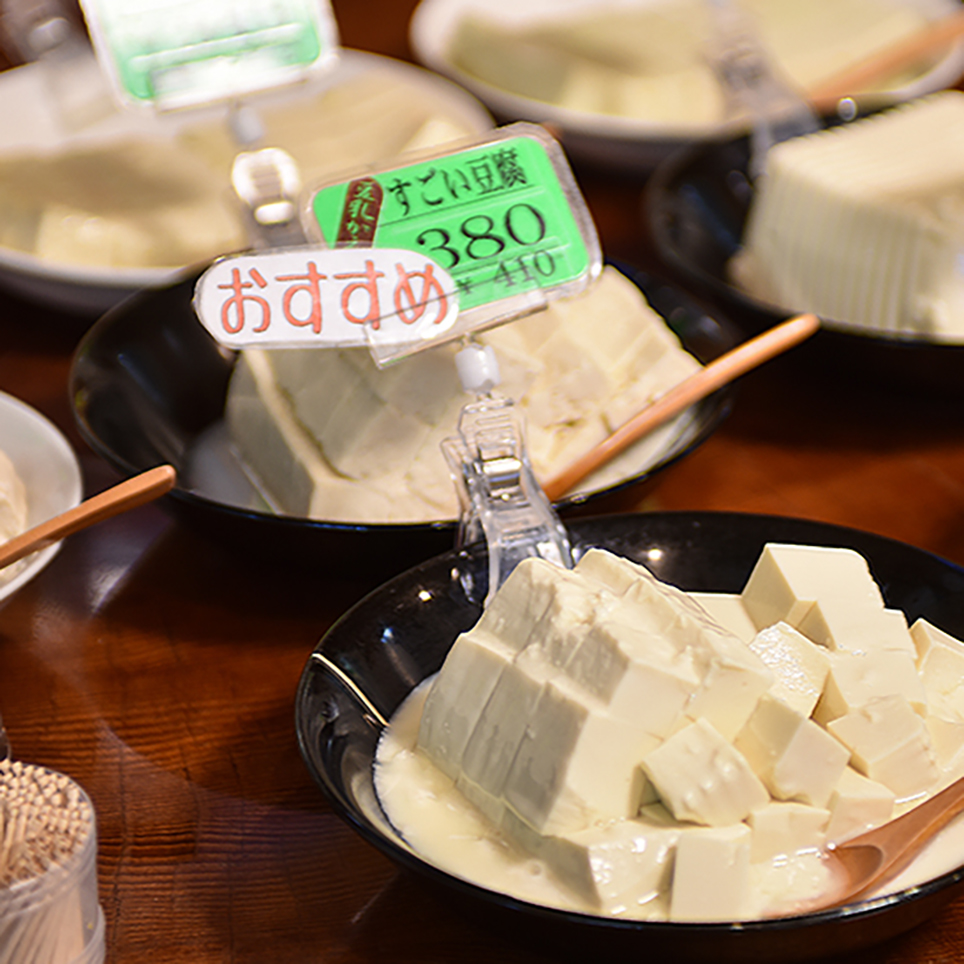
(504, 217)
(180, 53)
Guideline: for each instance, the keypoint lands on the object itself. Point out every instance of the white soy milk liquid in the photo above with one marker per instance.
(432, 815)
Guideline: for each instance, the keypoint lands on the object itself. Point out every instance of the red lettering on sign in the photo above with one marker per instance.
(238, 298)
(410, 308)
(312, 286)
(367, 287)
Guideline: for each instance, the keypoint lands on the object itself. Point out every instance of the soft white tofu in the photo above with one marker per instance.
(788, 579)
(711, 874)
(634, 674)
(857, 804)
(799, 666)
(857, 678)
(889, 743)
(574, 761)
(728, 610)
(795, 758)
(701, 777)
(785, 828)
(452, 710)
(942, 673)
(947, 744)
(539, 594)
(842, 624)
(925, 634)
(617, 867)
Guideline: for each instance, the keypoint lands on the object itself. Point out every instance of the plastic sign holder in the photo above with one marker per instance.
(500, 500)
(384, 299)
(502, 214)
(171, 54)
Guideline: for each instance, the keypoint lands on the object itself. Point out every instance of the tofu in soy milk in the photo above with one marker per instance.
(658, 766)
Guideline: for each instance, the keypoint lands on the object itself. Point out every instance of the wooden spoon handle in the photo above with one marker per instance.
(902, 838)
(127, 495)
(718, 373)
(886, 63)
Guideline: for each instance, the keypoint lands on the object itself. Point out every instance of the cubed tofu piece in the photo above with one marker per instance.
(574, 762)
(457, 697)
(925, 634)
(616, 868)
(857, 678)
(533, 594)
(947, 743)
(889, 743)
(785, 828)
(799, 666)
(795, 758)
(842, 624)
(788, 579)
(495, 739)
(711, 874)
(635, 674)
(701, 777)
(857, 804)
(732, 676)
(728, 610)
(942, 673)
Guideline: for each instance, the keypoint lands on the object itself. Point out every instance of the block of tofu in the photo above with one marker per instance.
(841, 624)
(617, 867)
(711, 874)
(574, 762)
(859, 223)
(799, 666)
(857, 804)
(855, 679)
(701, 777)
(947, 744)
(925, 633)
(634, 671)
(728, 610)
(795, 758)
(732, 677)
(784, 828)
(889, 743)
(544, 609)
(472, 668)
(788, 579)
(492, 745)
(942, 673)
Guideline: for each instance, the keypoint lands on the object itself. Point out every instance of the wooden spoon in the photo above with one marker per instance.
(715, 375)
(127, 495)
(864, 862)
(887, 62)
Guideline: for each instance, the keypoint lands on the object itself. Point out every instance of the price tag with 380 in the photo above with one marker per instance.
(503, 217)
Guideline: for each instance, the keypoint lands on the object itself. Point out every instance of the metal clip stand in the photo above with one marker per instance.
(268, 182)
(751, 85)
(500, 500)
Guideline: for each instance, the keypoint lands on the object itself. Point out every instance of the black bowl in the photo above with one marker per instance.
(696, 205)
(400, 634)
(148, 386)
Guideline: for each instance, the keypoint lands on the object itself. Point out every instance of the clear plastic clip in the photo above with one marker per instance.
(500, 500)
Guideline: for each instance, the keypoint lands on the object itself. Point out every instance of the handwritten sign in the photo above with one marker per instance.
(504, 217)
(180, 53)
(390, 301)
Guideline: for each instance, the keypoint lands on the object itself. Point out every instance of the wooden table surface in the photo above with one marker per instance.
(160, 670)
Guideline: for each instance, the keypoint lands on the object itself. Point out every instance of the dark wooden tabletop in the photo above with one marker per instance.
(159, 670)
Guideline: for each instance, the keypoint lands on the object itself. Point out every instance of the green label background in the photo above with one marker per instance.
(495, 217)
